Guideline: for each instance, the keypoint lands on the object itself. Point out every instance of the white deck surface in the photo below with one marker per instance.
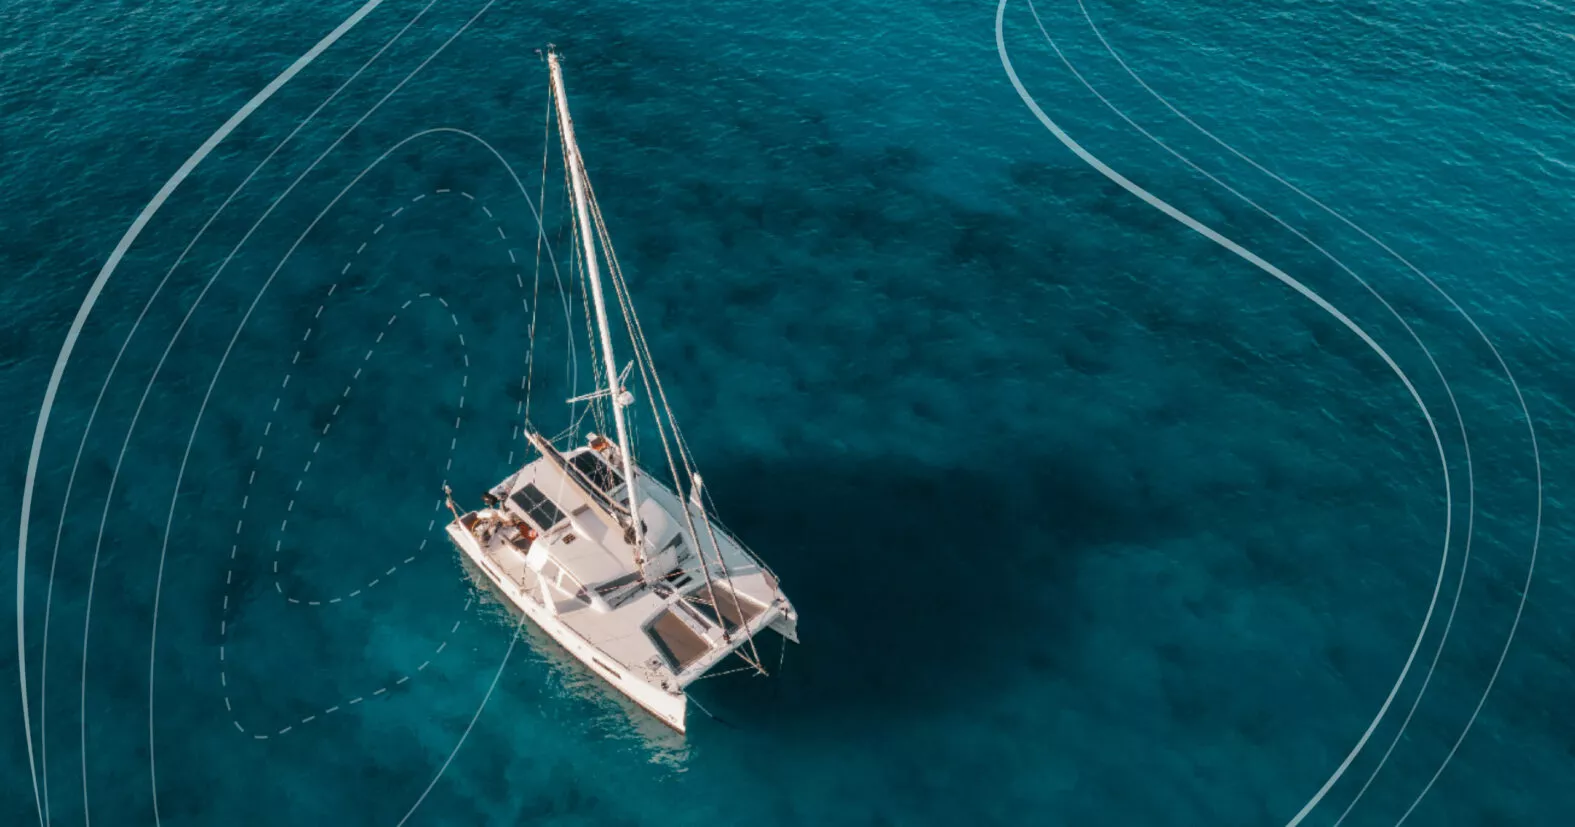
(589, 546)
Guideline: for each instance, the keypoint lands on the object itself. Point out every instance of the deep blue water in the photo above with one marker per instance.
(1090, 519)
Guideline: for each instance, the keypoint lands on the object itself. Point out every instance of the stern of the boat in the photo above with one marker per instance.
(671, 709)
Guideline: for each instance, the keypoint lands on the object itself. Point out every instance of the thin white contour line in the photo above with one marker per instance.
(136, 415)
(80, 320)
(93, 570)
(519, 185)
(1448, 390)
(1284, 278)
(513, 639)
(169, 521)
(1508, 374)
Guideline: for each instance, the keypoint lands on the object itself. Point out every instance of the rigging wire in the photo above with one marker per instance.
(615, 272)
(597, 372)
(697, 497)
(647, 366)
(734, 671)
(541, 232)
(643, 349)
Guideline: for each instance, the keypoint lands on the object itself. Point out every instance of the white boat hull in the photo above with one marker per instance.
(668, 707)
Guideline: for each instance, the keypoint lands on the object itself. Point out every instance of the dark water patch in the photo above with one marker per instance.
(902, 576)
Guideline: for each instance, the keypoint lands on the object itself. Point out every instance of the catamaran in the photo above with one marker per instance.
(636, 579)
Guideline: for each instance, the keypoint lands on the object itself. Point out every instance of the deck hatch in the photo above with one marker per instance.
(737, 614)
(678, 643)
(537, 507)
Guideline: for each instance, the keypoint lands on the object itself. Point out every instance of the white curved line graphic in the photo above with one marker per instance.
(1291, 282)
(75, 331)
(43, 679)
(1520, 398)
(1465, 561)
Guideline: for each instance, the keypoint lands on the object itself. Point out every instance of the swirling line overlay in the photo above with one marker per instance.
(95, 290)
(1197, 226)
(147, 213)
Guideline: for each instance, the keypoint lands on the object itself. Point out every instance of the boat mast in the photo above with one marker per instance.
(571, 158)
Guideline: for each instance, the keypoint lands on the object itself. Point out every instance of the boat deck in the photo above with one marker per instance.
(668, 631)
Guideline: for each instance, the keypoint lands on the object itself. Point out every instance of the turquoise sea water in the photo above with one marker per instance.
(1091, 520)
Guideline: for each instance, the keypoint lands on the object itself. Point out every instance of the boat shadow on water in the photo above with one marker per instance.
(917, 586)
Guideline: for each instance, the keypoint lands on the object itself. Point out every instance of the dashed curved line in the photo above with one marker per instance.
(464, 383)
(191, 439)
(324, 713)
(278, 545)
(453, 443)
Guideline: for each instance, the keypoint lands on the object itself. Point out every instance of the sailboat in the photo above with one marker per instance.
(636, 578)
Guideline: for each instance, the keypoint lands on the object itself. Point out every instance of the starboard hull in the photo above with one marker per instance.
(667, 707)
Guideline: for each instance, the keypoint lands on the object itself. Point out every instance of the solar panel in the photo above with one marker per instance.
(537, 507)
(598, 472)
